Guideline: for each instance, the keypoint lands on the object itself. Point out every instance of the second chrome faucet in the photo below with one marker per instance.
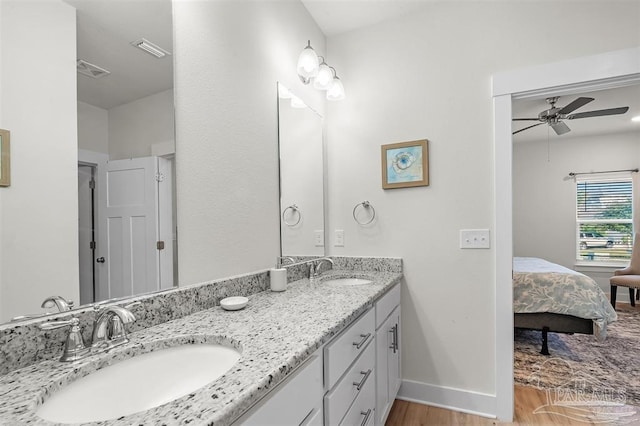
(108, 332)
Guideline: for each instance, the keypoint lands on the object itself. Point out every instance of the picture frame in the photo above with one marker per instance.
(5, 160)
(405, 164)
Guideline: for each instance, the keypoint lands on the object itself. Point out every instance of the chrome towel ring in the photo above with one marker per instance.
(365, 205)
(295, 210)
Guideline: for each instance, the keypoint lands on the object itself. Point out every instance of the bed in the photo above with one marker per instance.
(551, 298)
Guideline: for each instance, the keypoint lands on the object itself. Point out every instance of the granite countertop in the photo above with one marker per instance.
(276, 332)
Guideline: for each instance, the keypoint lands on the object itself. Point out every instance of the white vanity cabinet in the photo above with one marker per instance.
(295, 401)
(349, 362)
(388, 362)
(352, 380)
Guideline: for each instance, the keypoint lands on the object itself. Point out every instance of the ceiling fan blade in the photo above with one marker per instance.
(599, 113)
(528, 127)
(560, 128)
(525, 119)
(575, 105)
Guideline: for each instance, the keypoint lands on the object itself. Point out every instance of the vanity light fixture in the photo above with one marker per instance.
(308, 64)
(283, 92)
(336, 91)
(150, 48)
(323, 80)
(296, 102)
(324, 77)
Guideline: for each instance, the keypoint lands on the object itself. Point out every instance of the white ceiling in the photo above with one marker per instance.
(339, 16)
(604, 99)
(105, 29)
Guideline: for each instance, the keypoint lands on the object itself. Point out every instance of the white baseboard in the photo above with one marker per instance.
(480, 404)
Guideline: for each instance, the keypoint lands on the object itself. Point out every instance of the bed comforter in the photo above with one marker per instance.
(542, 286)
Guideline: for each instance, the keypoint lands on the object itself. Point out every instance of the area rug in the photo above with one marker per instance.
(608, 369)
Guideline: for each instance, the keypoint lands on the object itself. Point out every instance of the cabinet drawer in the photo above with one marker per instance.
(387, 304)
(340, 353)
(363, 409)
(291, 401)
(340, 398)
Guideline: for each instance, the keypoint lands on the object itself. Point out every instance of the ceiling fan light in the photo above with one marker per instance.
(308, 64)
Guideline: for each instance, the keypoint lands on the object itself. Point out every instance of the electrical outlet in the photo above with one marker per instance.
(339, 238)
(475, 239)
(318, 237)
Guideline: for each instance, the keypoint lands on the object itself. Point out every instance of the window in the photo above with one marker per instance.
(604, 219)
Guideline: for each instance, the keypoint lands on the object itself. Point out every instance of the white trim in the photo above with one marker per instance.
(611, 69)
(476, 403)
(570, 75)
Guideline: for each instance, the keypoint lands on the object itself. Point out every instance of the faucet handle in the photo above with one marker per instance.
(74, 347)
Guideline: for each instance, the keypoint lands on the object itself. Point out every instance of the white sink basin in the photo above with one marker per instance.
(139, 383)
(347, 281)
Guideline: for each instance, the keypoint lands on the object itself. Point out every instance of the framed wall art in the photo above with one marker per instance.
(5, 161)
(405, 164)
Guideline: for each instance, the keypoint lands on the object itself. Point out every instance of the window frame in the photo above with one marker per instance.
(599, 178)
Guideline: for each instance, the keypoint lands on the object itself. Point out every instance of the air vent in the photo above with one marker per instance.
(91, 70)
(150, 48)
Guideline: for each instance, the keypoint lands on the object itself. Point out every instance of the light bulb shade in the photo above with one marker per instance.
(296, 102)
(336, 91)
(323, 80)
(283, 92)
(308, 64)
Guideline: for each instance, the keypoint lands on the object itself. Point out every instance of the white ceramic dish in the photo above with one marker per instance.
(234, 303)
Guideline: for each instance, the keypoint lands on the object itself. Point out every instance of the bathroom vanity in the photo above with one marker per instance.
(318, 353)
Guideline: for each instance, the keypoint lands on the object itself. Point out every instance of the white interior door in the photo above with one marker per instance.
(128, 259)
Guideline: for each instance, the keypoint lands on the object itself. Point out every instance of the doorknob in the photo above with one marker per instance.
(100, 260)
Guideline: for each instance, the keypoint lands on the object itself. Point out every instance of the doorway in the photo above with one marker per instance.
(612, 69)
(86, 231)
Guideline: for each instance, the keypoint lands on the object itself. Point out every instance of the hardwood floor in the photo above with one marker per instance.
(527, 399)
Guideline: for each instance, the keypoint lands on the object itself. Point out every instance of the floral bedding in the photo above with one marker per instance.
(542, 286)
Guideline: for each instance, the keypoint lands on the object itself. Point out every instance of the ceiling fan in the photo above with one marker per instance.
(554, 116)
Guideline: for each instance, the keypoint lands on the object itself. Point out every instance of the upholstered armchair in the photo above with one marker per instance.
(629, 276)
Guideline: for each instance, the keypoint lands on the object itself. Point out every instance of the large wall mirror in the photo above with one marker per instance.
(126, 144)
(302, 229)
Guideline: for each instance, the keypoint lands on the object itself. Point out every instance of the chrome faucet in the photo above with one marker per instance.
(74, 348)
(59, 301)
(108, 329)
(284, 260)
(314, 270)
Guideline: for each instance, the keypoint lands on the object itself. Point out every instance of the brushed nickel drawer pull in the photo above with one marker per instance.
(366, 415)
(359, 344)
(364, 379)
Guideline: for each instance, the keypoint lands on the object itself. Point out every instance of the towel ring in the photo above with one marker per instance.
(294, 209)
(365, 205)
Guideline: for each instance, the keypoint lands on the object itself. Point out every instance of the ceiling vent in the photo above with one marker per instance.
(150, 48)
(91, 70)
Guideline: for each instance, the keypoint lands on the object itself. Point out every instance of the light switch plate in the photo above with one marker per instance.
(339, 239)
(318, 238)
(475, 239)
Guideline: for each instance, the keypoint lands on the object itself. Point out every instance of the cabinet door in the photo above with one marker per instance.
(394, 359)
(388, 377)
(383, 342)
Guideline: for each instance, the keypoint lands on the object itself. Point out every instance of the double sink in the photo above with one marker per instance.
(151, 379)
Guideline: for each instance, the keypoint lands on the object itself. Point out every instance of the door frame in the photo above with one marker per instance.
(98, 161)
(607, 70)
